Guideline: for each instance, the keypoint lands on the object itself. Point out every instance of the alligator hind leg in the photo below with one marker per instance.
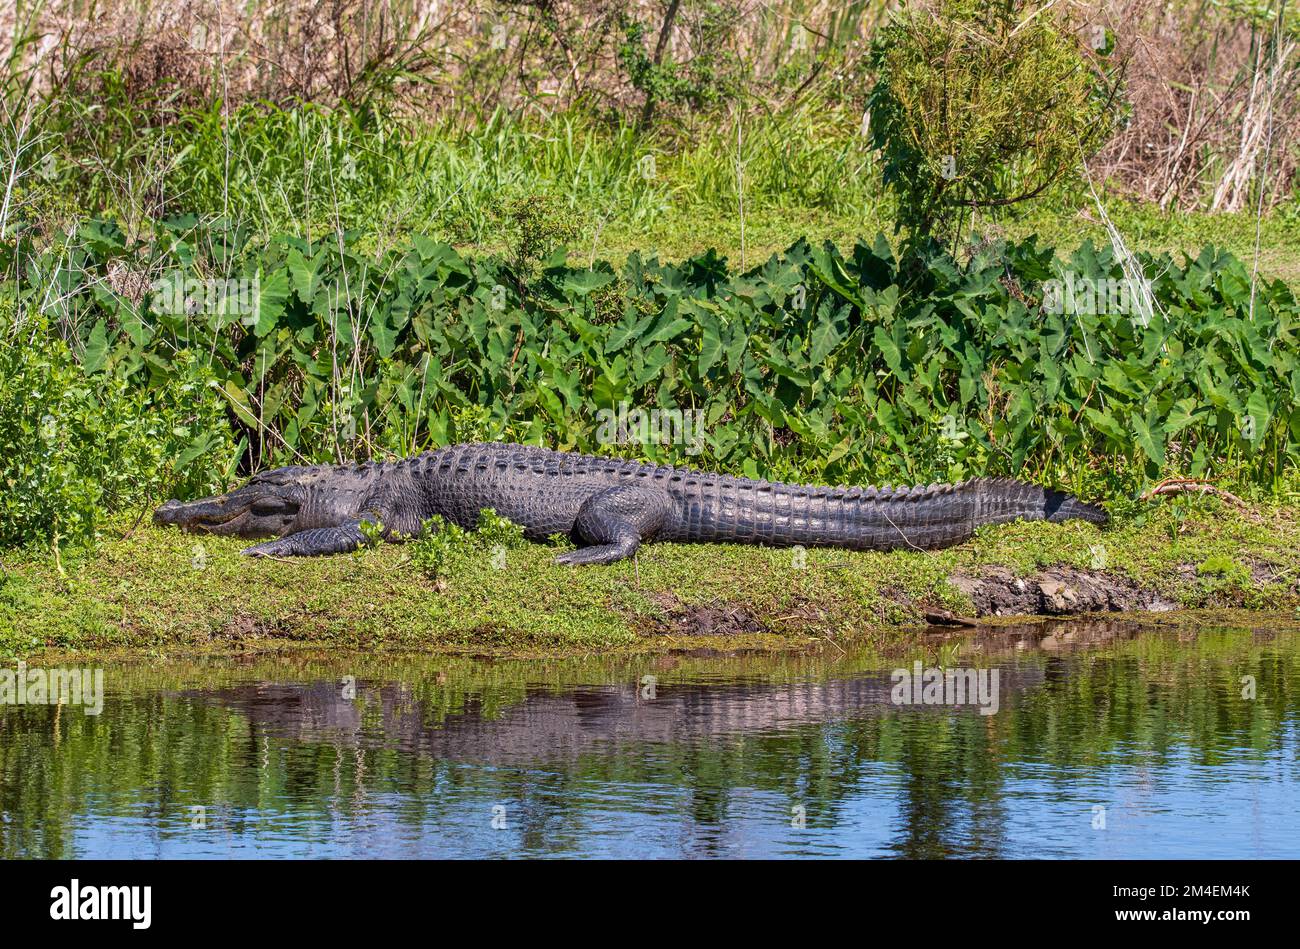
(615, 521)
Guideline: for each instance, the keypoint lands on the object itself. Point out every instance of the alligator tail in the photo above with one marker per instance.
(999, 500)
(921, 518)
(1059, 506)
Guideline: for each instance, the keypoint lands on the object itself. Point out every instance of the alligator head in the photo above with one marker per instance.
(271, 504)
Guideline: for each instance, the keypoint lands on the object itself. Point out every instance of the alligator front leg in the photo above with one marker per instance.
(615, 521)
(312, 543)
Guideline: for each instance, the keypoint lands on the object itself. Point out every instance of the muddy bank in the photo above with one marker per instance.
(990, 592)
(1056, 591)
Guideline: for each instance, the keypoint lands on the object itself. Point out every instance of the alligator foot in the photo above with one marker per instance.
(615, 522)
(312, 543)
(605, 553)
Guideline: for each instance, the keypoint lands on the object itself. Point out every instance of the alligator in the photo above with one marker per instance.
(608, 507)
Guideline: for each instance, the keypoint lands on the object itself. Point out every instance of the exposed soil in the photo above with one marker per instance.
(1057, 591)
(704, 619)
(243, 626)
(993, 591)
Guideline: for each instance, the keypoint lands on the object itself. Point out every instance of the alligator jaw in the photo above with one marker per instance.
(207, 515)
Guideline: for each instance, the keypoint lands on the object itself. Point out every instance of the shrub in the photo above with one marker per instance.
(441, 544)
(710, 73)
(79, 447)
(438, 544)
(496, 531)
(537, 225)
(981, 104)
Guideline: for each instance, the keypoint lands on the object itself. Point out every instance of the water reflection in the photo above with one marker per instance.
(1108, 742)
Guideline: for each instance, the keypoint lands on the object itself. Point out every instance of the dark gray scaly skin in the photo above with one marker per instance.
(609, 507)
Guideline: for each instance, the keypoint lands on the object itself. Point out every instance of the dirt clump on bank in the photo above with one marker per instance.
(1056, 591)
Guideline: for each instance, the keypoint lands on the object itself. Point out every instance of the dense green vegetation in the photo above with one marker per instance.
(83, 445)
(858, 368)
(307, 170)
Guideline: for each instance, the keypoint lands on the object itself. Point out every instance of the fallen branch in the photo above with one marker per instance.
(948, 618)
(1172, 486)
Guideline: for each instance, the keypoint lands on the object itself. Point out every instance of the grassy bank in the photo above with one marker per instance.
(158, 592)
(200, 280)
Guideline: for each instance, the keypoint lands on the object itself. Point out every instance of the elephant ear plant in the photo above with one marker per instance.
(819, 366)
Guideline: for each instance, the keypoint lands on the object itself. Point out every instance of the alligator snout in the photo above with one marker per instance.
(192, 514)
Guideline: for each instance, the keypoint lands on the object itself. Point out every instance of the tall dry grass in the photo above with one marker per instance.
(1215, 93)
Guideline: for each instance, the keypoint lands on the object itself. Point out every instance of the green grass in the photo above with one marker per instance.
(1063, 224)
(806, 172)
(153, 591)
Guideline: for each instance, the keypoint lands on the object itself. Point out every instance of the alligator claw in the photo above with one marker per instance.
(271, 548)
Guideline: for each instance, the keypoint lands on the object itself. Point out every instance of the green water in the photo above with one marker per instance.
(1106, 742)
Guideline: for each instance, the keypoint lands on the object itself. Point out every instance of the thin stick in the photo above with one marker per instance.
(740, 186)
